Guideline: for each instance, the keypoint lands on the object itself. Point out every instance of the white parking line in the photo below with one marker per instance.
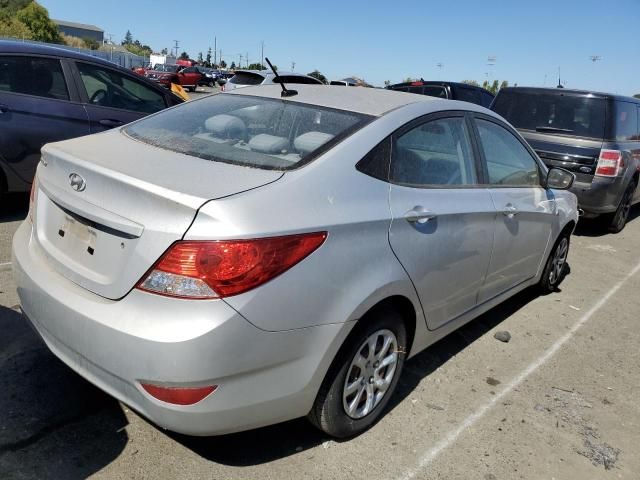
(451, 437)
(5, 266)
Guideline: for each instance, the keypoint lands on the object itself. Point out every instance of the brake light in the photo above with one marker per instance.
(216, 269)
(417, 84)
(610, 163)
(179, 395)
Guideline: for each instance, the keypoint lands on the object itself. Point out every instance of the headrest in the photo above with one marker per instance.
(226, 126)
(269, 144)
(310, 141)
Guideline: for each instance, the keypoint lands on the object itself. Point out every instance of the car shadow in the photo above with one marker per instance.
(14, 207)
(278, 441)
(53, 423)
(595, 227)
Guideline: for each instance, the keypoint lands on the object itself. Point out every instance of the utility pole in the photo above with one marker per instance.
(247, 59)
(215, 52)
(293, 66)
(240, 61)
(262, 54)
(176, 47)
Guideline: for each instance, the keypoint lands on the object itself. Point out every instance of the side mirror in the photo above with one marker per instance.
(559, 178)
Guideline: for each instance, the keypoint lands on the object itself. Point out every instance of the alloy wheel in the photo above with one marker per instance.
(558, 261)
(370, 374)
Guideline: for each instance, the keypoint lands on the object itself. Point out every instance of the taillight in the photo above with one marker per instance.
(610, 163)
(216, 269)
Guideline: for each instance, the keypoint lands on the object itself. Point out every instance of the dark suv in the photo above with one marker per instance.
(450, 90)
(49, 94)
(594, 135)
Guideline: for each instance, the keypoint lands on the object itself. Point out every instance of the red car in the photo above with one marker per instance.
(187, 77)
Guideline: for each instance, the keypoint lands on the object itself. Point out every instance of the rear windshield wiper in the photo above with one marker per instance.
(542, 128)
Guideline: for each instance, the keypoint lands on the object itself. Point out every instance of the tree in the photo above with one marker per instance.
(255, 66)
(637, 95)
(471, 82)
(164, 51)
(208, 59)
(316, 74)
(200, 58)
(504, 84)
(91, 43)
(36, 18)
(12, 27)
(223, 64)
(233, 66)
(128, 38)
(387, 83)
(184, 56)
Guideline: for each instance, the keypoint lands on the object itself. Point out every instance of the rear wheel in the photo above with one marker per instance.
(555, 269)
(618, 220)
(363, 376)
(192, 89)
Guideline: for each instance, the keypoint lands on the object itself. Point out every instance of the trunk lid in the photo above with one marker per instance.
(108, 206)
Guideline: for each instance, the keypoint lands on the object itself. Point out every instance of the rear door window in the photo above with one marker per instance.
(435, 153)
(41, 77)
(555, 113)
(626, 121)
(509, 163)
(109, 88)
(296, 79)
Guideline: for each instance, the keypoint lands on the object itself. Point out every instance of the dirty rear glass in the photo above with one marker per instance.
(555, 113)
(250, 131)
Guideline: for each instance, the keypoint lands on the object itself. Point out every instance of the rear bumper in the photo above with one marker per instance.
(600, 196)
(262, 377)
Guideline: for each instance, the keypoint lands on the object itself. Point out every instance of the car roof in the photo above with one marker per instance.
(10, 46)
(437, 82)
(570, 91)
(369, 101)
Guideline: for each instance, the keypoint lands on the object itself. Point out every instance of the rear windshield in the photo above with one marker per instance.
(296, 79)
(556, 113)
(257, 132)
(247, 78)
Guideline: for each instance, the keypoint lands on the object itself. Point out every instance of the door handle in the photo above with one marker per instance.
(419, 215)
(110, 123)
(510, 211)
(3, 109)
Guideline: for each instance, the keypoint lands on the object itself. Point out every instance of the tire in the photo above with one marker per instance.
(617, 221)
(556, 266)
(192, 89)
(331, 411)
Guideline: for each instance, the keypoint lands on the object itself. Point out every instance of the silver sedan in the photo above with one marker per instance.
(253, 257)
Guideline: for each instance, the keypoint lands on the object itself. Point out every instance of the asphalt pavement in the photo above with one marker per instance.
(560, 400)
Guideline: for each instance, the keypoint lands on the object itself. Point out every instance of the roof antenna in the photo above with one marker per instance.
(559, 82)
(285, 91)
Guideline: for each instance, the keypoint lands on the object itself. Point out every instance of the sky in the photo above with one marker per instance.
(383, 40)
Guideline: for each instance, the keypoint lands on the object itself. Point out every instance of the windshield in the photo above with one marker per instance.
(574, 115)
(166, 68)
(251, 131)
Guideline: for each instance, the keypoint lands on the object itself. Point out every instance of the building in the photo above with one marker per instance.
(80, 30)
